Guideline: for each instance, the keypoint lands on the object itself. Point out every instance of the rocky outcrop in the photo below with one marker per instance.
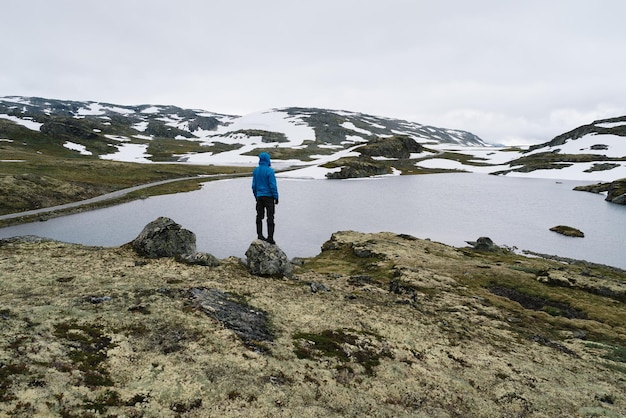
(617, 192)
(568, 231)
(398, 147)
(593, 188)
(358, 168)
(164, 238)
(265, 259)
(70, 129)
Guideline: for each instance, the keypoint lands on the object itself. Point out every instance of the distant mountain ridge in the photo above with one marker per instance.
(324, 143)
(100, 126)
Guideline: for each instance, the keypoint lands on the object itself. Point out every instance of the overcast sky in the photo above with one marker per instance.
(510, 71)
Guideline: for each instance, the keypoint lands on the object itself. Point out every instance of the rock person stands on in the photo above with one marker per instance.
(266, 194)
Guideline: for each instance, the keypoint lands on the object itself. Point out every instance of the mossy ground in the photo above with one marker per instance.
(409, 327)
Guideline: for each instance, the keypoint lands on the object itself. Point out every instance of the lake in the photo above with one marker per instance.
(448, 208)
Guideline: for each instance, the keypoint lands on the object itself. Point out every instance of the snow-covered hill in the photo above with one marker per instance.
(314, 141)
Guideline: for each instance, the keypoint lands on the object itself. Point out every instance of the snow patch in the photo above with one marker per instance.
(292, 127)
(150, 110)
(616, 146)
(118, 138)
(93, 109)
(350, 126)
(576, 172)
(610, 124)
(135, 153)
(28, 123)
(77, 147)
(140, 126)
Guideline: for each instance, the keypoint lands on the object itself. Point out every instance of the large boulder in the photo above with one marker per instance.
(164, 238)
(265, 259)
(483, 244)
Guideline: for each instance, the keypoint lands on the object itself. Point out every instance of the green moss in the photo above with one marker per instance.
(617, 354)
(88, 347)
(347, 346)
(8, 373)
(104, 401)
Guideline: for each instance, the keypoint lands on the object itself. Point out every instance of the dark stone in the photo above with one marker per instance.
(483, 244)
(249, 323)
(164, 238)
(265, 259)
(97, 299)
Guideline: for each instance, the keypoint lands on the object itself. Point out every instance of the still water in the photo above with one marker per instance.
(448, 208)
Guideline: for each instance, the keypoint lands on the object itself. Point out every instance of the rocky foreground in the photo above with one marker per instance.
(376, 325)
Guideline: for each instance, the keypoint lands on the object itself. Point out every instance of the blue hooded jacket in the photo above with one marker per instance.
(263, 178)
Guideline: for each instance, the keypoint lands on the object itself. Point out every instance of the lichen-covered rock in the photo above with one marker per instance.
(616, 190)
(164, 238)
(265, 259)
(200, 259)
(249, 323)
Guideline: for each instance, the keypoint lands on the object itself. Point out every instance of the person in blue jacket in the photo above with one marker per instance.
(266, 194)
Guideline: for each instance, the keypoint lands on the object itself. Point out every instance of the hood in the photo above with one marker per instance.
(264, 159)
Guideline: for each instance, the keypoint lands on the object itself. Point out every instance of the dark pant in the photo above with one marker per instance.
(265, 204)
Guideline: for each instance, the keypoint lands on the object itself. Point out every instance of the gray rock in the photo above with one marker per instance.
(483, 244)
(620, 200)
(318, 287)
(265, 259)
(201, 259)
(164, 238)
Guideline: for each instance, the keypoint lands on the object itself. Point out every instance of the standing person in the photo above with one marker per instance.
(266, 195)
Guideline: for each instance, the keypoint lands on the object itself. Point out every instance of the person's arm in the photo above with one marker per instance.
(273, 186)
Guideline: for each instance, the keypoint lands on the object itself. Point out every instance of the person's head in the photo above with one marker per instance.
(264, 159)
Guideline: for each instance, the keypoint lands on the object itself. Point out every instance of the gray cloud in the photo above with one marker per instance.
(507, 71)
